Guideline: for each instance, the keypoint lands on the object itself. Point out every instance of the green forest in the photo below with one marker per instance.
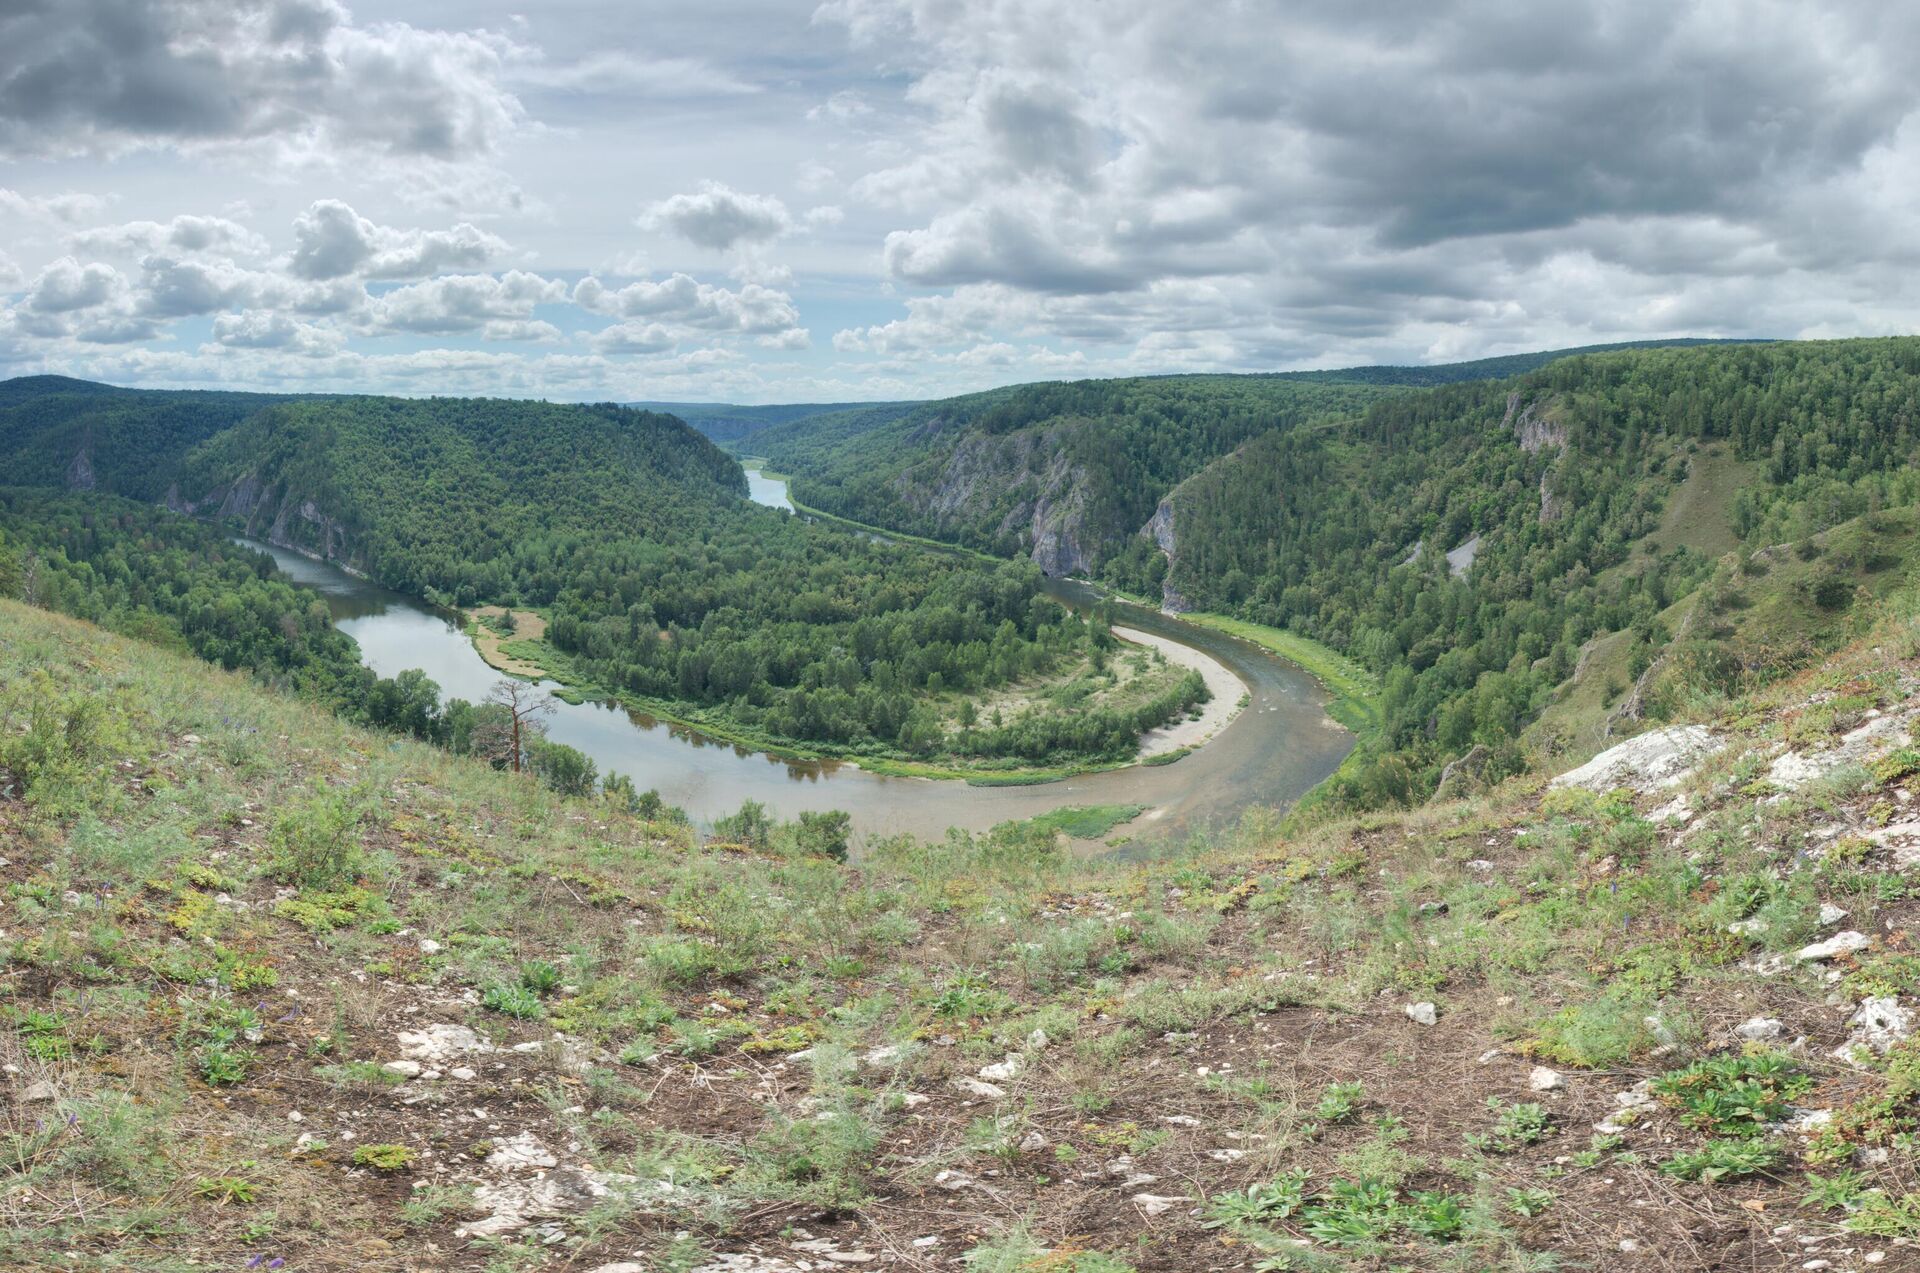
(1337, 528)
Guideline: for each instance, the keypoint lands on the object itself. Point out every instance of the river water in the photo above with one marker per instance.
(1270, 754)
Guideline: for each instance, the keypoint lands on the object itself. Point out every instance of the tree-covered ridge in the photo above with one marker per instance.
(435, 495)
(727, 423)
(56, 431)
(1340, 533)
(1086, 459)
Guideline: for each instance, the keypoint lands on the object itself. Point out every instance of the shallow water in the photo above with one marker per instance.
(1276, 749)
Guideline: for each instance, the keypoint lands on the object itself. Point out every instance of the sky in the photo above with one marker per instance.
(753, 201)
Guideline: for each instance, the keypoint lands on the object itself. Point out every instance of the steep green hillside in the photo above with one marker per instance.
(444, 493)
(279, 992)
(1592, 495)
(1063, 473)
(56, 431)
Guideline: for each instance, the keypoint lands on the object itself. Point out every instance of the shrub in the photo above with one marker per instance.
(514, 1001)
(383, 1157)
(312, 843)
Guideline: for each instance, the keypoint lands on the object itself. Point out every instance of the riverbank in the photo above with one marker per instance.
(1229, 695)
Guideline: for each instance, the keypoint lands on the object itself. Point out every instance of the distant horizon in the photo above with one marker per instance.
(644, 403)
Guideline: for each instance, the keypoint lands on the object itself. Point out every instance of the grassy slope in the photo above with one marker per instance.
(1212, 1022)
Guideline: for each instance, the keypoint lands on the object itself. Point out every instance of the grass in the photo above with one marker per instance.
(222, 907)
(1085, 822)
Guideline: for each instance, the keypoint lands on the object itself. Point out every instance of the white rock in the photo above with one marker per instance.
(1032, 1142)
(1845, 943)
(428, 946)
(405, 1069)
(441, 1042)
(1154, 1204)
(520, 1152)
(1004, 1070)
(1422, 1013)
(1038, 1041)
(1760, 1029)
(1656, 759)
(1543, 1079)
(884, 1057)
(1180, 1120)
(974, 1087)
(1878, 1024)
(462, 1073)
(953, 1181)
(1831, 914)
(620, 1266)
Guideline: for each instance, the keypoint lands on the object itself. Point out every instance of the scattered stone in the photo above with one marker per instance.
(620, 1266)
(428, 946)
(442, 1042)
(520, 1152)
(1831, 914)
(1038, 1041)
(974, 1087)
(1422, 1013)
(1032, 1143)
(1545, 1080)
(953, 1181)
(1845, 943)
(885, 1057)
(462, 1073)
(1480, 864)
(405, 1069)
(1760, 1029)
(1154, 1204)
(40, 1091)
(1004, 1070)
(1180, 1120)
(1657, 759)
(1879, 1023)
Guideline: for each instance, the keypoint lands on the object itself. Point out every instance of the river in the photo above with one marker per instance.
(1270, 754)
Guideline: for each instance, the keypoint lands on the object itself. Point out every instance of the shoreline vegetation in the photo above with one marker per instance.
(528, 656)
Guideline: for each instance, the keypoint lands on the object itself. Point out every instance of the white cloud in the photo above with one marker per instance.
(66, 286)
(65, 208)
(331, 241)
(264, 329)
(465, 302)
(719, 217)
(100, 77)
(181, 234)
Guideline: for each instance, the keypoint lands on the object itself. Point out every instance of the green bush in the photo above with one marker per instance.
(313, 843)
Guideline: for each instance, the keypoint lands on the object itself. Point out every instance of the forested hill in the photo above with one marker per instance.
(57, 431)
(1497, 553)
(438, 494)
(1067, 472)
(1064, 472)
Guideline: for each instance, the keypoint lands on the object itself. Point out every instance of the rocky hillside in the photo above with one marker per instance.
(279, 990)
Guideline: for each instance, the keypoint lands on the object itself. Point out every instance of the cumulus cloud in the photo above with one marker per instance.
(465, 302)
(265, 329)
(66, 286)
(719, 217)
(105, 76)
(332, 241)
(181, 234)
(68, 208)
(684, 300)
